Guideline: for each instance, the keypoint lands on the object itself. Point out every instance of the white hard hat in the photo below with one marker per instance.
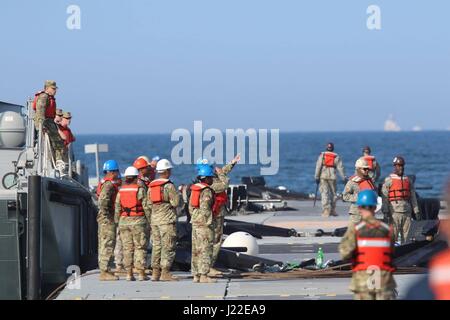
(145, 158)
(361, 164)
(163, 165)
(131, 172)
(242, 239)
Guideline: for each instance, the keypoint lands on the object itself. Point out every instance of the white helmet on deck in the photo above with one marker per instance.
(163, 165)
(131, 172)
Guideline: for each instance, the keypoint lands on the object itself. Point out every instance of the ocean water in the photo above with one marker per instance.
(427, 155)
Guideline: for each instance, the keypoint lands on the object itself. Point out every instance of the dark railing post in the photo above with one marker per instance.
(34, 238)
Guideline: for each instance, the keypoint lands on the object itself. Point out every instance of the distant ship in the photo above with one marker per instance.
(391, 124)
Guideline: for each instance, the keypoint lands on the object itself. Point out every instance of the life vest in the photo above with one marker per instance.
(328, 159)
(50, 108)
(196, 190)
(131, 205)
(370, 161)
(116, 184)
(440, 275)
(68, 133)
(157, 190)
(400, 188)
(364, 184)
(220, 200)
(371, 250)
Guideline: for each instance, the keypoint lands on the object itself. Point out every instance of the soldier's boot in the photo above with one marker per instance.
(156, 274)
(333, 212)
(205, 279)
(107, 276)
(326, 213)
(167, 276)
(130, 275)
(119, 268)
(142, 276)
(196, 279)
(214, 272)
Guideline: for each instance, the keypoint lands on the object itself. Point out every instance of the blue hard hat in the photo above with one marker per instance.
(200, 162)
(205, 170)
(110, 165)
(367, 198)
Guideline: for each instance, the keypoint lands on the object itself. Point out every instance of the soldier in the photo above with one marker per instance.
(66, 135)
(359, 182)
(163, 200)
(107, 190)
(44, 105)
(325, 175)
(153, 164)
(399, 200)
(220, 186)
(370, 245)
(374, 166)
(200, 207)
(58, 116)
(132, 216)
(144, 172)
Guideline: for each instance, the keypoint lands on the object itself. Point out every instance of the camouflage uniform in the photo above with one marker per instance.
(399, 212)
(133, 234)
(56, 142)
(202, 233)
(220, 184)
(106, 225)
(328, 185)
(163, 225)
(350, 194)
(361, 279)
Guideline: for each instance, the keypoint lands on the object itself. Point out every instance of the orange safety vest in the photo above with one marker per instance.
(364, 184)
(400, 188)
(328, 159)
(50, 108)
(373, 251)
(196, 190)
(221, 199)
(157, 190)
(440, 275)
(116, 184)
(370, 161)
(131, 205)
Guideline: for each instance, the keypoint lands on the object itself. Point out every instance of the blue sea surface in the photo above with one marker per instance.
(427, 155)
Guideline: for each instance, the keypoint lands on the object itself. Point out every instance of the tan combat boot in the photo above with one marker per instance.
(205, 279)
(107, 276)
(142, 276)
(214, 272)
(196, 279)
(156, 274)
(130, 275)
(167, 276)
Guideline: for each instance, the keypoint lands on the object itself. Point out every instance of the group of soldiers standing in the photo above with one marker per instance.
(53, 121)
(143, 206)
(399, 203)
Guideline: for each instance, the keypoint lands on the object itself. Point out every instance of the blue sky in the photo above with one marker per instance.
(153, 66)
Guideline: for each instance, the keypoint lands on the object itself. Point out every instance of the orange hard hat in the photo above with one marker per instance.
(140, 163)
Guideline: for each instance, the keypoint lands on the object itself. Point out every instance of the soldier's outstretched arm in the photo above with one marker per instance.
(347, 246)
(340, 167)
(414, 202)
(228, 167)
(220, 184)
(318, 167)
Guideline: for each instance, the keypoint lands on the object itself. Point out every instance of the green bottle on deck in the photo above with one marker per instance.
(319, 259)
